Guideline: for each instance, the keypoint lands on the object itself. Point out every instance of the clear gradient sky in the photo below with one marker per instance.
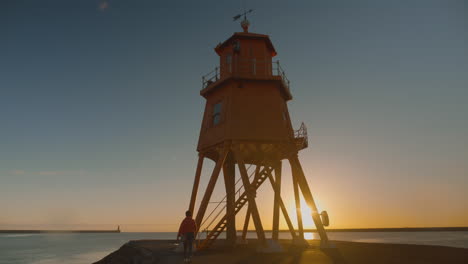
(100, 109)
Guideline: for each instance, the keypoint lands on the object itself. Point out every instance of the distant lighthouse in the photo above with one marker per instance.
(246, 123)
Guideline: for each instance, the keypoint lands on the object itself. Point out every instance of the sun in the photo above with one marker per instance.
(307, 221)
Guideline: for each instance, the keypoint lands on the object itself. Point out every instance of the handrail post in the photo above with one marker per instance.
(216, 72)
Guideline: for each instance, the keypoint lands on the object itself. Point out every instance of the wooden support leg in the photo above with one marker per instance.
(276, 207)
(250, 197)
(196, 183)
(302, 181)
(298, 206)
(211, 185)
(282, 207)
(248, 213)
(257, 172)
(230, 182)
(246, 224)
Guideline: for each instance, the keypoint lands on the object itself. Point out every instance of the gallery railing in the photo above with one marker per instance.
(301, 137)
(249, 68)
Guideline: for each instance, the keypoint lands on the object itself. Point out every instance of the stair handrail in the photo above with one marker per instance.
(222, 201)
(238, 191)
(264, 173)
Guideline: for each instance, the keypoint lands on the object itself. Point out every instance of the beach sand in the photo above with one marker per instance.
(162, 251)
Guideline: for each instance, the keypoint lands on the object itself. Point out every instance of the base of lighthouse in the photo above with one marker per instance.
(257, 163)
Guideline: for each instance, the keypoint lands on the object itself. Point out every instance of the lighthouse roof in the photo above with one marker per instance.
(246, 35)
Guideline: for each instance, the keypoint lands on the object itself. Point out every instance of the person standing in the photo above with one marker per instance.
(187, 230)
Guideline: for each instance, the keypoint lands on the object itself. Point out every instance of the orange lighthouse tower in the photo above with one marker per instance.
(246, 124)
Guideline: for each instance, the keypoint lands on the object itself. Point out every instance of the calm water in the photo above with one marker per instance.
(87, 248)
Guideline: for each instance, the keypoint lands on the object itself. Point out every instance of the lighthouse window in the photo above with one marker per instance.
(229, 62)
(254, 66)
(217, 113)
(236, 46)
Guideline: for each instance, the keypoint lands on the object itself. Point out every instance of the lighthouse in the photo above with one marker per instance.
(246, 124)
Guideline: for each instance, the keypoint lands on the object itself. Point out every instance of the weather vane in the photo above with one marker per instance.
(243, 14)
(244, 23)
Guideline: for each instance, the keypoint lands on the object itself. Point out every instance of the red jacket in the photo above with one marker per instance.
(188, 225)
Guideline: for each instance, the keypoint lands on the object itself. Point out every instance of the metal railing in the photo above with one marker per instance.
(209, 220)
(210, 77)
(240, 67)
(280, 72)
(301, 134)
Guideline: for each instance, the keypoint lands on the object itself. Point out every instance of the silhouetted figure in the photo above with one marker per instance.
(187, 230)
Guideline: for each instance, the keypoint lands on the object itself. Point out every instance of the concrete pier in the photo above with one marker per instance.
(162, 252)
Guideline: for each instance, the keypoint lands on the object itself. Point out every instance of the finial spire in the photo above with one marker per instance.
(244, 23)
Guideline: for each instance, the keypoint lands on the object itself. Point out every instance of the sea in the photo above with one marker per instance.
(80, 248)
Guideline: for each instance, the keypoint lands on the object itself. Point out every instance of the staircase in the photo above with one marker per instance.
(240, 202)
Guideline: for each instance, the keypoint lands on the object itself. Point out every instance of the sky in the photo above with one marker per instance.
(100, 109)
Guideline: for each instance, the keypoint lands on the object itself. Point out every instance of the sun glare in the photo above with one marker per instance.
(307, 216)
(309, 235)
